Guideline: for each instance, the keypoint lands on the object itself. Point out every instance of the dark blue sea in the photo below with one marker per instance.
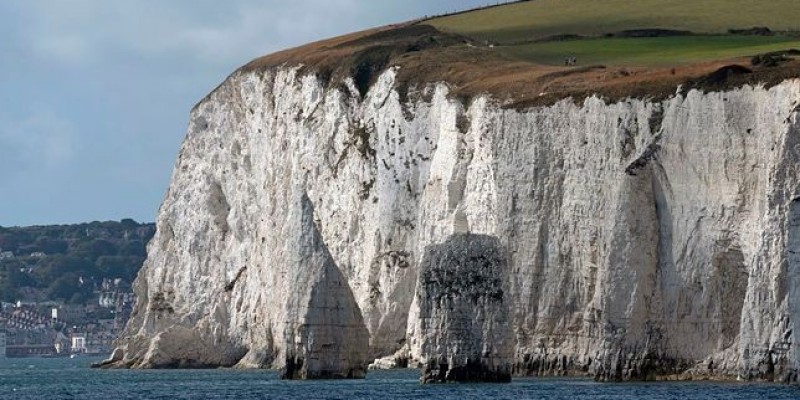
(73, 379)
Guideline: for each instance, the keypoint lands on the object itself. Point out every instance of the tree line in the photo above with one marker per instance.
(69, 262)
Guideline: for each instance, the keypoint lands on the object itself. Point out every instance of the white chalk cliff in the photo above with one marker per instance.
(631, 240)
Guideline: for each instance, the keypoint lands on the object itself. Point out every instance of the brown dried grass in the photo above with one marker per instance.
(426, 55)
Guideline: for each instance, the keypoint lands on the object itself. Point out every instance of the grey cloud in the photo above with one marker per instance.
(42, 140)
(82, 31)
(94, 93)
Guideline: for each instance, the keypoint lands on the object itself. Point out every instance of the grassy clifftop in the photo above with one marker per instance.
(631, 32)
(539, 19)
(621, 48)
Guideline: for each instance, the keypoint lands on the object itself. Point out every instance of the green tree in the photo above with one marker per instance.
(96, 248)
(125, 267)
(49, 269)
(65, 287)
(12, 279)
(128, 223)
(133, 248)
(50, 245)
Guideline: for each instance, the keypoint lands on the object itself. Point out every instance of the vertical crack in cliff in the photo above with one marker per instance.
(647, 155)
(218, 207)
(634, 347)
(230, 285)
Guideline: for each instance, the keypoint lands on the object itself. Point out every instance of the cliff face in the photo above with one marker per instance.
(630, 240)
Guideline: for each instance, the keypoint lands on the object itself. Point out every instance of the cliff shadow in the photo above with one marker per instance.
(324, 333)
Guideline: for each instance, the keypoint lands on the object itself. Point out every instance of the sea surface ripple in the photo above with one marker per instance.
(38, 378)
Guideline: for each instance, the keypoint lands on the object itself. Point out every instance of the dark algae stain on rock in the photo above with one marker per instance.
(436, 371)
(464, 312)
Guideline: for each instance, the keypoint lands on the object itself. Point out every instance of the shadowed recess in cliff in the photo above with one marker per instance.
(630, 283)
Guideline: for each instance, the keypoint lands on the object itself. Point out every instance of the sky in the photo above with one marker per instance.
(95, 94)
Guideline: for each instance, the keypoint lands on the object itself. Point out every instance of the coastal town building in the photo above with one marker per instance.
(78, 341)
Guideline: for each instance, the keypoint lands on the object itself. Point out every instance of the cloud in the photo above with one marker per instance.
(81, 32)
(42, 140)
(258, 29)
(73, 49)
(97, 91)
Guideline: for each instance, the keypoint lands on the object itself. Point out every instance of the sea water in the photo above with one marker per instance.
(41, 378)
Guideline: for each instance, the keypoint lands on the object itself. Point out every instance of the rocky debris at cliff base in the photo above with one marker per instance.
(295, 369)
(470, 371)
(401, 359)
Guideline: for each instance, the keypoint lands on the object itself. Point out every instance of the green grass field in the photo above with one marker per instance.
(538, 19)
(515, 26)
(659, 51)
